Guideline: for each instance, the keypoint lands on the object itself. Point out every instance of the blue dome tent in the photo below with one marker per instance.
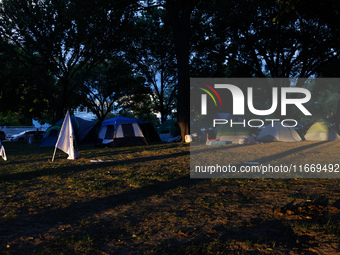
(122, 131)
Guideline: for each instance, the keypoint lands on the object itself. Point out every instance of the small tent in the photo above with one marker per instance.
(66, 139)
(168, 130)
(278, 133)
(2, 151)
(233, 133)
(321, 130)
(85, 132)
(121, 131)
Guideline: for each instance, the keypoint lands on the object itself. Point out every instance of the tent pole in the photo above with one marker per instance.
(55, 149)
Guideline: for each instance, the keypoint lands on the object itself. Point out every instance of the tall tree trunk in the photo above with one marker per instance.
(179, 13)
(61, 103)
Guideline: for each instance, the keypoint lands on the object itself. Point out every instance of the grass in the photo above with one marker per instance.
(141, 200)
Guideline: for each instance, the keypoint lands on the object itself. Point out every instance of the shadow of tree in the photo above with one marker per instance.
(67, 168)
(39, 224)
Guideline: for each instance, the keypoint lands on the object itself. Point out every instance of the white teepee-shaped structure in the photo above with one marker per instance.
(2, 151)
(66, 139)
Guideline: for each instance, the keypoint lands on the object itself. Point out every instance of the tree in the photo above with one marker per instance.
(179, 14)
(139, 108)
(275, 43)
(152, 55)
(329, 96)
(264, 39)
(112, 85)
(24, 87)
(208, 44)
(68, 35)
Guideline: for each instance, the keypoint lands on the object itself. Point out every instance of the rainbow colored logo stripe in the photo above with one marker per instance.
(210, 94)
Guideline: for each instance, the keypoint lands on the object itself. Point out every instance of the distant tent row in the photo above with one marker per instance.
(119, 131)
(317, 130)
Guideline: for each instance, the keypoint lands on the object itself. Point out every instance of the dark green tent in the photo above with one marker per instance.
(169, 129)
(85, 132)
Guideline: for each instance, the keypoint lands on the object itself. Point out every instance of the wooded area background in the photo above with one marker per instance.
(138, 56)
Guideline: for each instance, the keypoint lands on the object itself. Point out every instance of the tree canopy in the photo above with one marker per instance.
(54, 51)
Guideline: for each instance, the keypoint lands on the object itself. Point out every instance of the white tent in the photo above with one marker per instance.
(2, 152)
(278, 133)
(66, 140)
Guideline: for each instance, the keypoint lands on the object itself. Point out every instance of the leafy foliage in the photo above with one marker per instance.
(56, 45)
(263, 40)
(25, 89)
(67, 35)
(111, 85)
(151, 52)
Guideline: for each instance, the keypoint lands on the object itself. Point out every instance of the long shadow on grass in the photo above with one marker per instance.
(39, 224)
(256, 235)
(238, 174)
(51, 171)
(71, 168)
(265, 234)
(153, 147)
(289, 152)
(285, 153)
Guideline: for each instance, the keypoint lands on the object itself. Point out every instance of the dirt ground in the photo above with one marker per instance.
(143, 201)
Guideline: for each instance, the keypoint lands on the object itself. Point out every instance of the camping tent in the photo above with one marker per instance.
(278, 133)
(233, 133)
(168, 130)
(321, 130)
(121, 131)
(2, 151)
(85, 132)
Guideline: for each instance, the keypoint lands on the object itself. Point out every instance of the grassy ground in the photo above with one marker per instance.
(141, 200)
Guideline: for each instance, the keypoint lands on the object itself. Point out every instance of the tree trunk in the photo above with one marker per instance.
(179, 13)
(61, 103)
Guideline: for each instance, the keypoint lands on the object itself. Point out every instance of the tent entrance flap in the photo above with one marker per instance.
(128, 130)
(109, 131)
(129, 134)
